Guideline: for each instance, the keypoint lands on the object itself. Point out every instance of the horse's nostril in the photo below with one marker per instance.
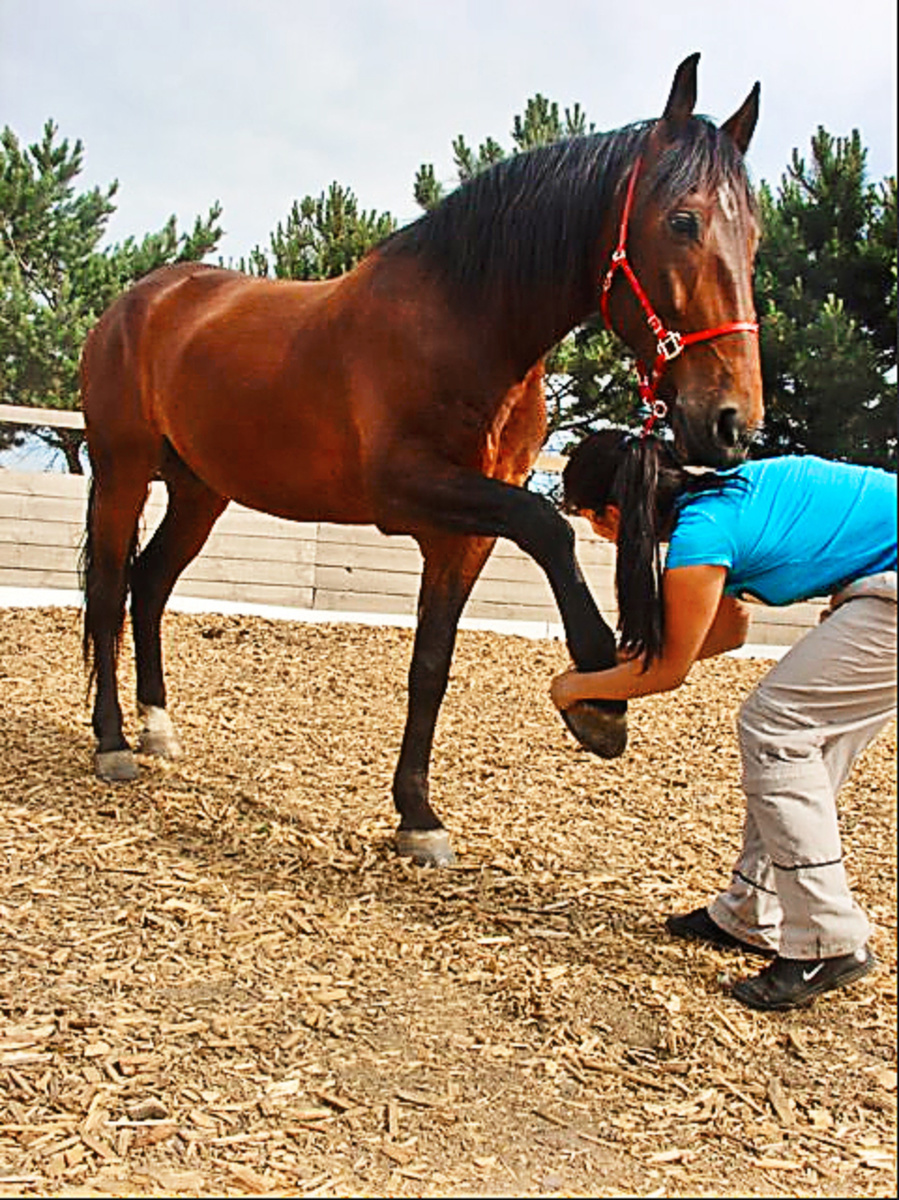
(729, 427)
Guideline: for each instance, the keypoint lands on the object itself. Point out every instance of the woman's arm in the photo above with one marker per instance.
(693, 597)
(729, 628)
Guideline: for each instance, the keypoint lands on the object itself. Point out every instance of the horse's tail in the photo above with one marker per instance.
(87, 575)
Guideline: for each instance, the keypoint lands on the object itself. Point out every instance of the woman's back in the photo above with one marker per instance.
(790, 528)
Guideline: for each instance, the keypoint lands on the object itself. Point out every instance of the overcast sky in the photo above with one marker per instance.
(256, 102)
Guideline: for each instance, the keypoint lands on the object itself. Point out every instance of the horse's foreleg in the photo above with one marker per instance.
(451, 566)
(600, 726)
(472, 504)
(191, 512)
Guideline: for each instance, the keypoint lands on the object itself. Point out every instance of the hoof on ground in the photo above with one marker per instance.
(115, 766)
(427, 847)
(158, 735)
(605, 733)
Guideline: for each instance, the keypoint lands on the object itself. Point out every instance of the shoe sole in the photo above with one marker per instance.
(761, 1005)
(734, 946)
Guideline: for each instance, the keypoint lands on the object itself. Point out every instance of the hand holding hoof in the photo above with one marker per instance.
(427, 847)
(597, 729)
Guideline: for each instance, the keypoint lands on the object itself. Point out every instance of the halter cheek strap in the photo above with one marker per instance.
(669, 343)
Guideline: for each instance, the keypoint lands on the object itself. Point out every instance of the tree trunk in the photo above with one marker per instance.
(70, 442)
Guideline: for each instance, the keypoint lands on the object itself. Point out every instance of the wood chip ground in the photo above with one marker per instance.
(220, 980)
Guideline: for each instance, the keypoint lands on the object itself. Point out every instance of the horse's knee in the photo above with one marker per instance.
(429, 668)
(544, 532)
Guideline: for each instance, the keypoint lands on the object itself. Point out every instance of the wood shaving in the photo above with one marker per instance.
(220, 979)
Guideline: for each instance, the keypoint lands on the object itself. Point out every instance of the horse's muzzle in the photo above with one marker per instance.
(722, 440)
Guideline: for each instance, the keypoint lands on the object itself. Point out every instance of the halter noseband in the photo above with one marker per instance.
(669, 343)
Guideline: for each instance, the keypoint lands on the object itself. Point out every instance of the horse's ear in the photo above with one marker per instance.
(682, 99)
(741, 125)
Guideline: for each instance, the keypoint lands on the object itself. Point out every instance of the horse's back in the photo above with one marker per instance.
(140, 340)
(242, 376)
(298, 397)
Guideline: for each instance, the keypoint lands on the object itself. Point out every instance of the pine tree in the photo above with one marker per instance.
(55, 281)
(321, 238)
(826, 295)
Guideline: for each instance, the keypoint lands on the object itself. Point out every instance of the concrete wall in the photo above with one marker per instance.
(322, 568)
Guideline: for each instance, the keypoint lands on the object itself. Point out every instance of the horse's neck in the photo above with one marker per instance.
(528, 307)
(525, 321)
(518, 251)
(538, 293)
(538, 326)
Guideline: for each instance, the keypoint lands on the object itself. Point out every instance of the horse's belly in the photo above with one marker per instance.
(296, 472)
(292, 452)
(311, 500)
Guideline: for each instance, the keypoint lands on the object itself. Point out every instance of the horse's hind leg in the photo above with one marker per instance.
(191, 512)
(451, 566)
(114, 507)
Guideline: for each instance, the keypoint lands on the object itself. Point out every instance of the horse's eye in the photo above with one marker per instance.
(685, 224)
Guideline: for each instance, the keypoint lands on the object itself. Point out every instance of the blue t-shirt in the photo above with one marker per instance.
(790, 528)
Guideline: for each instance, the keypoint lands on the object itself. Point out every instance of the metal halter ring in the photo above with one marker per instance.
(658, 409)
(670, 346)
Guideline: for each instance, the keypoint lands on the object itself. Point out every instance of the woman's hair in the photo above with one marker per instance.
(644, 480)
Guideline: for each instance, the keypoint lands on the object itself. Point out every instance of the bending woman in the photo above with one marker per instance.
(779, 531)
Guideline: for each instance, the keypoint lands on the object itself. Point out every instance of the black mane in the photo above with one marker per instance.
(532, 220)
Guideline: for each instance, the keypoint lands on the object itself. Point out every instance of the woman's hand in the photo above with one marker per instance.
(692, 599)
(563, 689)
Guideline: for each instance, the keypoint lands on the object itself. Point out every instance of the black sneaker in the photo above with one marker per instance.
(793, 982)
(699, 926)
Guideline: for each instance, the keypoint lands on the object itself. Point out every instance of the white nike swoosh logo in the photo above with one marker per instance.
(807, 975)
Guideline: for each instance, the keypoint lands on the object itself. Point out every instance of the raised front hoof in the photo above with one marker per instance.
(158, 735)
(427, 847)
(605, 733)
(115, 766)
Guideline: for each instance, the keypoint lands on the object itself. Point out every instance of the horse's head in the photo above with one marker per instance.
(686, 239)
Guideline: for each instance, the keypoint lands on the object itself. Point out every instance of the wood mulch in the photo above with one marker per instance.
(220, 980)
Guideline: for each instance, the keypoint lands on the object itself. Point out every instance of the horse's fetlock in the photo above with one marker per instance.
(158, 736)
(427, 847)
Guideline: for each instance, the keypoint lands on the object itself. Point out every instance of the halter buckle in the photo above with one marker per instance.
(670, 346)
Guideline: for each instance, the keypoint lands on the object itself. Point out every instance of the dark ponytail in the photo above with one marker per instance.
(644, 480)
(645, 489)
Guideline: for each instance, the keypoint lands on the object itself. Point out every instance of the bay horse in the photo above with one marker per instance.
(408, 394)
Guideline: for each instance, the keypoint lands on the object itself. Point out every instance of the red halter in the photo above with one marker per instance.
(669, 343)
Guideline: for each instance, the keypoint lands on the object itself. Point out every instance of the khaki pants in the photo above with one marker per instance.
(801, 729)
